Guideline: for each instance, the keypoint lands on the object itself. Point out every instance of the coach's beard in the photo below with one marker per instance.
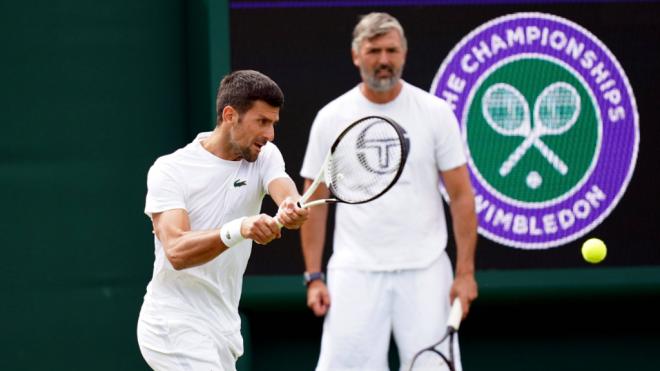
(380, 84)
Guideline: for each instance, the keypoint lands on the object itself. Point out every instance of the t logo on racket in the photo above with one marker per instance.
(377, 153)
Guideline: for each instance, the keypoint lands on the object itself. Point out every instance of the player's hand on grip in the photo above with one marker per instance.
(464, 288)
(260, 228)
(290, 215)
(318, 298)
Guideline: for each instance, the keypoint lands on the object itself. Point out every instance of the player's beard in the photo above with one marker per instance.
(381, 84)
(245, 153)
(248, 155)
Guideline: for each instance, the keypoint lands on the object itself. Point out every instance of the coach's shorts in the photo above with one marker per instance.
(367, 307)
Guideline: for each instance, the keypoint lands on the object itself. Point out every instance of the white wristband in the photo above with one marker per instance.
(230, 233)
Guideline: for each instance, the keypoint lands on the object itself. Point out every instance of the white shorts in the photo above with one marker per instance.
(172, 344)
(366, 307)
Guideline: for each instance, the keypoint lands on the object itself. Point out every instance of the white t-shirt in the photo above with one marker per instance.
(213, 191)
(406, 227)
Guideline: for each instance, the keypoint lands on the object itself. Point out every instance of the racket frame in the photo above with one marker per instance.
(453, 323)
(302, 203)
(405, 146)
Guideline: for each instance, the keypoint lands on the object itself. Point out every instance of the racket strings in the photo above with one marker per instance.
(365, 161)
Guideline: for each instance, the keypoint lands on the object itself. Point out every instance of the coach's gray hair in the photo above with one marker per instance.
(376, 24)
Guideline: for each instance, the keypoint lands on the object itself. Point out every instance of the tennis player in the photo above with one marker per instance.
(389, 272)
(203, 201)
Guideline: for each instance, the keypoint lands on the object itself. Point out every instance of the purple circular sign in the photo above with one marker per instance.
(479, 80)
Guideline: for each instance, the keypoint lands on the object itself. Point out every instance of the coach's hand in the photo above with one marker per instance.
(318, 297)
(464, 288)
(260, 228)
(290, 215)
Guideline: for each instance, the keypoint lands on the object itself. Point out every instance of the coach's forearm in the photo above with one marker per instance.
(465, 232)
(312, 236)
(312, 233)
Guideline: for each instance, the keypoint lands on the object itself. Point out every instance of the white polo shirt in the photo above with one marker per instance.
(406, 227)
(213, 191)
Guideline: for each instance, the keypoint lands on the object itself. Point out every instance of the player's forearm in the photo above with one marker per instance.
(281, 188)
(312, 235)
(465, 232)
(193, 248)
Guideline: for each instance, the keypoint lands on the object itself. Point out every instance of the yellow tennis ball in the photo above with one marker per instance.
(594, 250)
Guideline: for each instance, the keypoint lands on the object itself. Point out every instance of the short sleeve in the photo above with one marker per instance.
(449, 152)
(163, 191)
(273, 166)
(316, 150)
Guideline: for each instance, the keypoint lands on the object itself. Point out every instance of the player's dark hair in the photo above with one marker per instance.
(240, 89)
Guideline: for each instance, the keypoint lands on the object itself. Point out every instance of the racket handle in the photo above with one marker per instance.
(302, 205)
(455, 315)
(317, 202)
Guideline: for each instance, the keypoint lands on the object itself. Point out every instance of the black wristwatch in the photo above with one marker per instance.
(313, 276)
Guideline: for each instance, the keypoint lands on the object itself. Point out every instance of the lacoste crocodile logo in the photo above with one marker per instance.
(239, 183)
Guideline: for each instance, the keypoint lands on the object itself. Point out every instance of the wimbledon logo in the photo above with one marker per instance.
(550, 125)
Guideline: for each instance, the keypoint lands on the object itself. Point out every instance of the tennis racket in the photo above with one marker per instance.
(435, 357)
(363, 163)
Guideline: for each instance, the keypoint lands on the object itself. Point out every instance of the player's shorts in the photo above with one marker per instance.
(172, 344)
(367, 307)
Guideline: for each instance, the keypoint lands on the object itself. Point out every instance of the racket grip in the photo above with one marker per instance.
(277, 216)
(277, 220)
(455, 315)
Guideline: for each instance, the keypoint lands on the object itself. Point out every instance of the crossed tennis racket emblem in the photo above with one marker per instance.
(556, 110)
